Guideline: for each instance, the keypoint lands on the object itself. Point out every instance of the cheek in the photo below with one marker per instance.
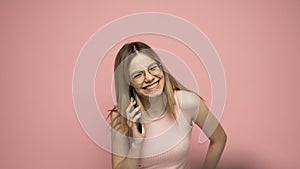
(136, 88)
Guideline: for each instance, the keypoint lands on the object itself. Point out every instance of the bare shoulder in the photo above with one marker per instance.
(189, 102)
(188, 99)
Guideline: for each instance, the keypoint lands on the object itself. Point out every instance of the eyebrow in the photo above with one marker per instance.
(141, 70)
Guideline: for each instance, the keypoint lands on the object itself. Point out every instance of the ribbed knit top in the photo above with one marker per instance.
(167, 142)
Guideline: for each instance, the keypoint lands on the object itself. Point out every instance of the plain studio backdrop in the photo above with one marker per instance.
(258, 43)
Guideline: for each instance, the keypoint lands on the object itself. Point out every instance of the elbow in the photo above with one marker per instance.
(224, 138)
(220, 140)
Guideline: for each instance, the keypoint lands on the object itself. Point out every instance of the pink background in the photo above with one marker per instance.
(258, 43)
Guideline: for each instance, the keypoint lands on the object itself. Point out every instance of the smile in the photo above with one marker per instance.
(152, 86)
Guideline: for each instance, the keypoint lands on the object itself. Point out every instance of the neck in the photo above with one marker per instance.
(154, 106)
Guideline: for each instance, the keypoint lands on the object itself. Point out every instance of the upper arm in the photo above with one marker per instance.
(189, 104)
(119, 140)
(197, 111)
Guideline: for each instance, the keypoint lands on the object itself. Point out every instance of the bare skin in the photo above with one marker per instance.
(193, 108)
(133, 148)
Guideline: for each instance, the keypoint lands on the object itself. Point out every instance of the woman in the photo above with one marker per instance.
(155, 113)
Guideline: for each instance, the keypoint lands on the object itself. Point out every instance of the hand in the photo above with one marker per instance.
(133, 114)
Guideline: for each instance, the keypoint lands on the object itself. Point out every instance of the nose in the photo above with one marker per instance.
(148, 77)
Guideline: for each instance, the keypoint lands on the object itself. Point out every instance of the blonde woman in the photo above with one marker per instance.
(154, 115)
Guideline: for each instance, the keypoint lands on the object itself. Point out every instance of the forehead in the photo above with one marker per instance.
(140, 62)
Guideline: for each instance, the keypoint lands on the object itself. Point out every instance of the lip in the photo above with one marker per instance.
(145, 87)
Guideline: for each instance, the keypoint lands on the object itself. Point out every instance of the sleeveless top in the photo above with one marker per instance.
(167, 142)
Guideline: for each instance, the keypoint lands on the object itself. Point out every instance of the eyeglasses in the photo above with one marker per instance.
(139, 76)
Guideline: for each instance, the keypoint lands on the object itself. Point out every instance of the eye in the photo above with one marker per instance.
(153, 67)
(137, 75)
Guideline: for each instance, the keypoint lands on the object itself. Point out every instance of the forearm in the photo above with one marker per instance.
(214, 153)
(132, 160)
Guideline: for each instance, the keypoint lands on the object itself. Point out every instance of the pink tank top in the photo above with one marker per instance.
(167, 142)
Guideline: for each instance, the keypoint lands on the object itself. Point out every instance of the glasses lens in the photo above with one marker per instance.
(139, 77)
(153, 69)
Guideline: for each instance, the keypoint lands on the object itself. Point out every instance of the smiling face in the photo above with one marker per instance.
(147, 78)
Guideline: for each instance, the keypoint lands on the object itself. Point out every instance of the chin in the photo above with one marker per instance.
(155, 93)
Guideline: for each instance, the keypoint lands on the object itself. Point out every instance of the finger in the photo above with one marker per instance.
(134, 112)
(129, 108)
(128, 117)
(132, 102)
(138, 116)
(129, 123)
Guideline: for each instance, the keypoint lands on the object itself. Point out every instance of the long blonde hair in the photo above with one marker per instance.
(122, 83)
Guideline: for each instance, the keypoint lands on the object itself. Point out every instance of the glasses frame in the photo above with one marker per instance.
(132, 78)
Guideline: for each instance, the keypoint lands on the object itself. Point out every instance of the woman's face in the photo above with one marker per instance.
(146, 76)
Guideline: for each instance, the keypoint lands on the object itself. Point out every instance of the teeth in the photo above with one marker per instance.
(152, 86)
